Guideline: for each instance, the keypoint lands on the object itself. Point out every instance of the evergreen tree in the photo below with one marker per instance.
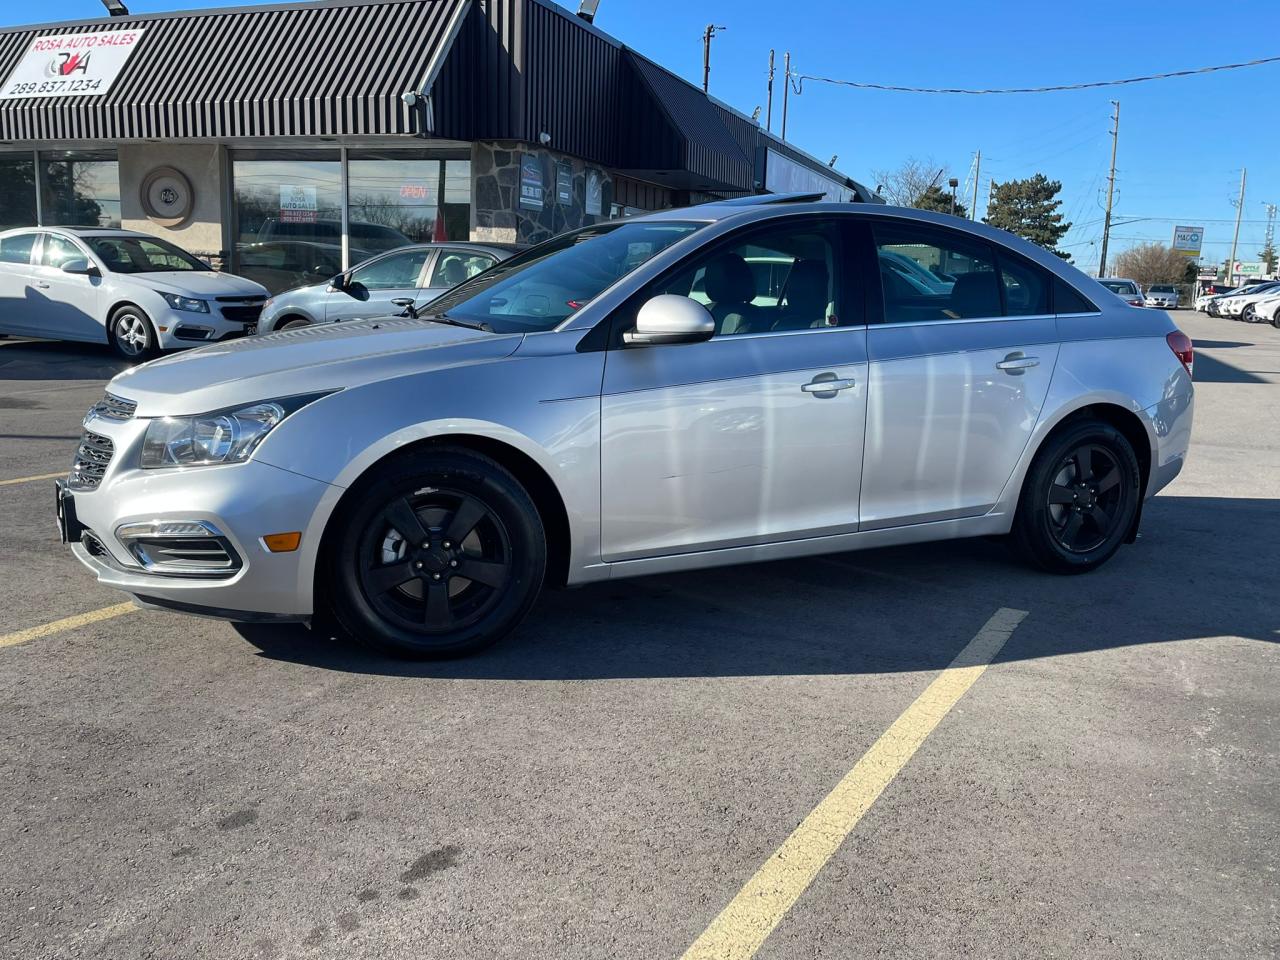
(1029, 208)
(938, 200)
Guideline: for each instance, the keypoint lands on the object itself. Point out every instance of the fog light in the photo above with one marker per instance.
(282, 542)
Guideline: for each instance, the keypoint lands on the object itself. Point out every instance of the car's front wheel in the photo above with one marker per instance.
(1079, 499)
(294, 324)
(440, 553)
(133, 337)
(1249, 315)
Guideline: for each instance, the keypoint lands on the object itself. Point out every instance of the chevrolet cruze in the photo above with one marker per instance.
(136, 293)
(636, 397)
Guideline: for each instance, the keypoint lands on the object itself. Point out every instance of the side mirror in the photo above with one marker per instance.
(339, 282)
(79, 266)
(406, 304)
(670, 318)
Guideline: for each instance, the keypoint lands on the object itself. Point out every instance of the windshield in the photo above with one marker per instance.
(1161, 288)
(539, 288)
(1121, 287)
(136, 255)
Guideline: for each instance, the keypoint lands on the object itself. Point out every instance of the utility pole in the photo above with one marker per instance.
(991, 192)
(1269, 245)
(1111, 189)
(786, 90)
(768, 117)
(707, 36)
(953, 183)
(973, 200)
(1235, 237)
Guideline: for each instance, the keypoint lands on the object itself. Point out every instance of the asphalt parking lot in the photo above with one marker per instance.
(610, 780)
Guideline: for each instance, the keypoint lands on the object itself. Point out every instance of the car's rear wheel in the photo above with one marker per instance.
(441, 553)
(132, 335)
(1079, 499)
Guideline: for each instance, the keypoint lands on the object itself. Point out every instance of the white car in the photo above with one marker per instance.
(1162, 296)
(135, 292)
(1235, 306)
(1266, 310)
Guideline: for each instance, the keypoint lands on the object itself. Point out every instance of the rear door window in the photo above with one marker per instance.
(927, 274)
(17, 248)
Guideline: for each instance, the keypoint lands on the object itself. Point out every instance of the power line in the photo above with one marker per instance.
(801, 78)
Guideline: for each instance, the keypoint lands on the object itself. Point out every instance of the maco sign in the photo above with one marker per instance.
(1188, 240)
(71, 65)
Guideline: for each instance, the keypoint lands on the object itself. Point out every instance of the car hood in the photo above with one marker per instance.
(198, 283)
(305, 360)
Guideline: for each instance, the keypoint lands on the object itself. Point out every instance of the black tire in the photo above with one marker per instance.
(294, 323)
(1275, 319)
(1073, 521)
(1249, 315)
(132, 334)
(408, 594)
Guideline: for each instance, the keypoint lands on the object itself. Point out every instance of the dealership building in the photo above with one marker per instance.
(307, 136)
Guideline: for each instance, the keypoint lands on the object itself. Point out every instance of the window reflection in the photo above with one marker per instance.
(81, 189)
(17, 191)
(421, 199)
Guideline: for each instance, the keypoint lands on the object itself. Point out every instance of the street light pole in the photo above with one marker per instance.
(953, 183)
(768, 117)
(786, 90)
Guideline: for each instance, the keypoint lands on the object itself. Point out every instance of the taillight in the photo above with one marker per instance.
(1182, 348)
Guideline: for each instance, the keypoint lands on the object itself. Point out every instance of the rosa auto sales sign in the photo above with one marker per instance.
(71, 64)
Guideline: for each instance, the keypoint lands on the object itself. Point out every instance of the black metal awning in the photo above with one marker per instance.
(301, 69)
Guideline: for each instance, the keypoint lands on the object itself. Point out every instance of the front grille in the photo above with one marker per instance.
(111, 407)
(243, 314)
(92, 458)
(246, 298)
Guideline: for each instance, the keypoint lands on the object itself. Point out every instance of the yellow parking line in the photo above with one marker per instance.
(42, 476)
(66, 623)
(741, 928)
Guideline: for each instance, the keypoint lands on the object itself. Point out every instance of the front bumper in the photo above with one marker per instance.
(179, 329)
(244, 501)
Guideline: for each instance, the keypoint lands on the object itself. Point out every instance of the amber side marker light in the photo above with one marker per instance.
(282, 542)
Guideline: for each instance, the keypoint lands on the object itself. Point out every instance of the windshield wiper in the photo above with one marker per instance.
(455, 322)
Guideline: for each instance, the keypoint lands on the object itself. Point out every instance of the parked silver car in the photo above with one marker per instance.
(420, 272)
(616, 402)
(1162, 296)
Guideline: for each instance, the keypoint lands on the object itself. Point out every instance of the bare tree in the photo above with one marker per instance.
(905, 186)
(1150, 263)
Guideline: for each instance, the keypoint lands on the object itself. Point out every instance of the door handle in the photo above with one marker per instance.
(1016, 362)
(42, 285)
(826, 385)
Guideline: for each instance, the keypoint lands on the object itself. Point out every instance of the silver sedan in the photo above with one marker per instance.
(420, 273)
(750, 380)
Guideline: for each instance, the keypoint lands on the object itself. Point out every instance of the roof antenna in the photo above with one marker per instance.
(587, 10)
(116, 8)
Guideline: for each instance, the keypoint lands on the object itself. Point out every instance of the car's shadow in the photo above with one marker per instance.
(22, 359)
(906, 608)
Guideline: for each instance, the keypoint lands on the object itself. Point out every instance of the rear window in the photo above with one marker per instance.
(1122, 288)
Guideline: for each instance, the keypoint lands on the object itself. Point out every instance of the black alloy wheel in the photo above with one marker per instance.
(441, 553)
(1079, 500)
(1084, 498)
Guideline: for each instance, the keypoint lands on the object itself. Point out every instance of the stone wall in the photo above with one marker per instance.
(496, 213)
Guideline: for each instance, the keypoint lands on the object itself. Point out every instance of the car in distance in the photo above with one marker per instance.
(574, 415)
(420, 272)
(1162, 296)
(1209, 292)
(283, 264)
(1267, 310)
(1126, 290)
(133, 291)
(1234, 305)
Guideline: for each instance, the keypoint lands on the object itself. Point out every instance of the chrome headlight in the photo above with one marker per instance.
(225, 436)
(188, 304)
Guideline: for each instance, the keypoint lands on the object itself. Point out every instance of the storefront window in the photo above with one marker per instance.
(17, 191)
(419, 199)
(81, 189)
(288, 208)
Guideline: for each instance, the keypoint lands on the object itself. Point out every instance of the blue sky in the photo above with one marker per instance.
(1183, 142)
